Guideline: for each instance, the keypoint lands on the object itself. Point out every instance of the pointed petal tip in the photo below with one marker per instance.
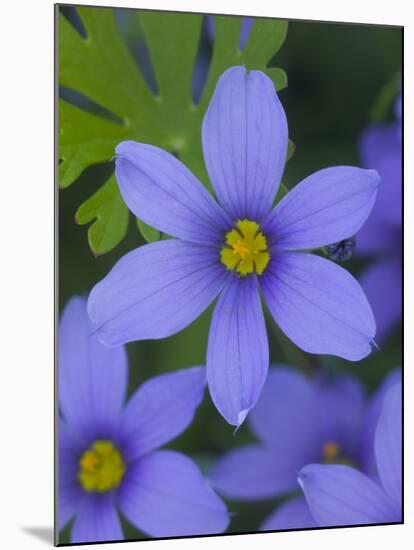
(241, 417)
(375, 345)
(345, 316)
(376, 178)
(302, 474)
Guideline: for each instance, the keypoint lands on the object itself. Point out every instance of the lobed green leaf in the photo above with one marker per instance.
(101, 68)
(109, 216)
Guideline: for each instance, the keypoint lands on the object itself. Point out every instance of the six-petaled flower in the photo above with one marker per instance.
(237, 247)
(299, 421)
(108, 451)
(341, 495)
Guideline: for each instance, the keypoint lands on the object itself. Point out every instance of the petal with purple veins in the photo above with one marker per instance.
(162, 192)
(155, 291)
(318, 305)
(325, 208)
(97, 520)
(341, 495)
(238, 352)
(245, 138)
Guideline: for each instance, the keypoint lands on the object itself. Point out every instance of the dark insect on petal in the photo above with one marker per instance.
(342, 251)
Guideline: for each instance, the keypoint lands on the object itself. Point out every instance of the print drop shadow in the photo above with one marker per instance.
(43, 533)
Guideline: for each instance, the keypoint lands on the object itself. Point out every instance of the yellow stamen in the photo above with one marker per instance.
(101, 467)
(89, 461)
(332, 454)
(240, 248)
(246, 249)
(331, 451)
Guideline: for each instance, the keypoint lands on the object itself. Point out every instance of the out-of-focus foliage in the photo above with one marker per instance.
(386, 98)
(99, 66)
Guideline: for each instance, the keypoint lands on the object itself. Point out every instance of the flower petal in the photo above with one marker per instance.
(318, 305)
(341, 495)
(161, 191)
(97, 520)
(70, 494)
(324, 208)
(341, 405)
(238, 352)
(254, 473)
(375, 238)
(165, 495)
(92, 378)
(380, 148)
(382, 284)
(388, 445)
(292, 514)
(155, 291)
(245, 139)
(371, 417)
(160, 409)
(294, 432)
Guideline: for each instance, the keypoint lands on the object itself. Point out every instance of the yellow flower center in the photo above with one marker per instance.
(101, 467)
(246, 249)
(331, 451)
(332, 454)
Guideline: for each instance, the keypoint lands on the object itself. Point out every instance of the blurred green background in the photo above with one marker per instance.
(335, 74)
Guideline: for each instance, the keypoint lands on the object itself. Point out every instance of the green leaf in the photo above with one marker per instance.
(265, 39)
(101, 69)
(386, 98)
(291, 150)
(149, 233)
(109, 215)
(84, 139)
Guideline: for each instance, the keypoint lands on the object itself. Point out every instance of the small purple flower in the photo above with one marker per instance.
(340, 495)
(381, 236)
(238, 248)
(108, 451)
(299, 421)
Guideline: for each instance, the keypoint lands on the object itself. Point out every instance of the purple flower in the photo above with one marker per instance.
(340, 495)
(299, 421)
(235, 249)
(381, 237)
(108, 450)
